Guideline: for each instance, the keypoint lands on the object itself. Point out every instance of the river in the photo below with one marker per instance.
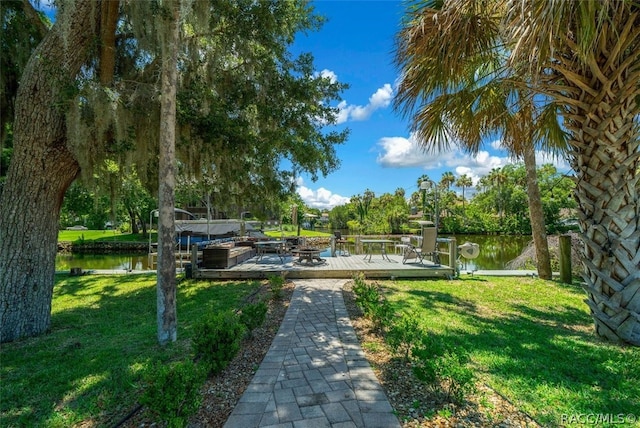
(495, 252)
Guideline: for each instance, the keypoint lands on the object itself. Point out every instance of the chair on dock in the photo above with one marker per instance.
(427, 248)
(340, 243)
(405, 242)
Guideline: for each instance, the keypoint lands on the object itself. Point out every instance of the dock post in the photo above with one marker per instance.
(565, 258)
(453, 256)
(194, 261)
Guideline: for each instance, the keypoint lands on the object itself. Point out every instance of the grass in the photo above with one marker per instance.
(102, 235)
(114, 235)
(530, 340)
(303, 232)
(103, 335)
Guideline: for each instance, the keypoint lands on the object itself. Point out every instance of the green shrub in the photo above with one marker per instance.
(382, 314)
(172, 391)
(372, 303)
(253, 315)
(277, 284)
(217, 338)
(456, 377)
(403, 333)
(367, 296)
(443, 367)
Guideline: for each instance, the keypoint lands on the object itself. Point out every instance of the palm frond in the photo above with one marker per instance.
(550, 131)
(436, 48)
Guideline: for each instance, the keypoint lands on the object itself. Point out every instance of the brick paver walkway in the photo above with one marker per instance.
(315, 373)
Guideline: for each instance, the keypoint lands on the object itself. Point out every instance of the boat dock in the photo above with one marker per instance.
(338, 266)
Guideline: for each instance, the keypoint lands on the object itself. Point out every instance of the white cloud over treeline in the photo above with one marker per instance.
(401, 152)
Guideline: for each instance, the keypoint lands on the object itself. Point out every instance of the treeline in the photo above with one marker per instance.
(497, 203)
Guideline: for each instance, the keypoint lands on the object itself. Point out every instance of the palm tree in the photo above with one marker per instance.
(586, 57)
(582, 59)
(447, 179)
(463, 182)
(498, 179)
(456, 88)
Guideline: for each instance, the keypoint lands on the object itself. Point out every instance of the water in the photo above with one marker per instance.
(495, 252)
(103, 261)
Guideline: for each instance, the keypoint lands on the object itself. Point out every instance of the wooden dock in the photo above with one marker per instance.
(334, 267)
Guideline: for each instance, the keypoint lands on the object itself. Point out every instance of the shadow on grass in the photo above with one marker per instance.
(103, 333)
(545, 359)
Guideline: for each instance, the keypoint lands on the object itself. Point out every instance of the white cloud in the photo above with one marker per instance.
(328, 74)
(320, 198)
(497, 145)
(379, 100)
(469, 172)
(400, 152)
(559, 162)
(542, 157)
(343, 112)
(480, 165)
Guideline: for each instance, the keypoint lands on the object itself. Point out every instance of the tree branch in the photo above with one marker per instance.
(35, 18)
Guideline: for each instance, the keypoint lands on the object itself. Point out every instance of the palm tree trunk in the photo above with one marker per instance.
(605, 145)
(536, 214)
(609, 224)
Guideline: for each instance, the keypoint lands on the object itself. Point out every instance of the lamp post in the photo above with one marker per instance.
(424, 185)
(427, 185)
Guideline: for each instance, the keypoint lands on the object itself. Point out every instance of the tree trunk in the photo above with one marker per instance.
(109, 14)
(41, 170)
(536, 214)
(607, 191)
(133, 221)
(143, 223)
(605, 144)
(166, 289)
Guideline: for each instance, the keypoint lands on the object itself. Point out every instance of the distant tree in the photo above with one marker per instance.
(447, 180)
(464, 182)
(397, 211)
(339, 216)
(362, 204)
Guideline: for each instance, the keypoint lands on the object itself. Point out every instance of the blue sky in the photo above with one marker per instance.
(356, 47)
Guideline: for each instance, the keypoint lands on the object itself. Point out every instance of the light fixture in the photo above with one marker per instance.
(428, 185)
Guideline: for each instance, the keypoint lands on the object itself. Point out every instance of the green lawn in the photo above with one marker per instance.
(530, 340)
(103, 334)
(114, 235)
(303, 232)
(102, 235)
